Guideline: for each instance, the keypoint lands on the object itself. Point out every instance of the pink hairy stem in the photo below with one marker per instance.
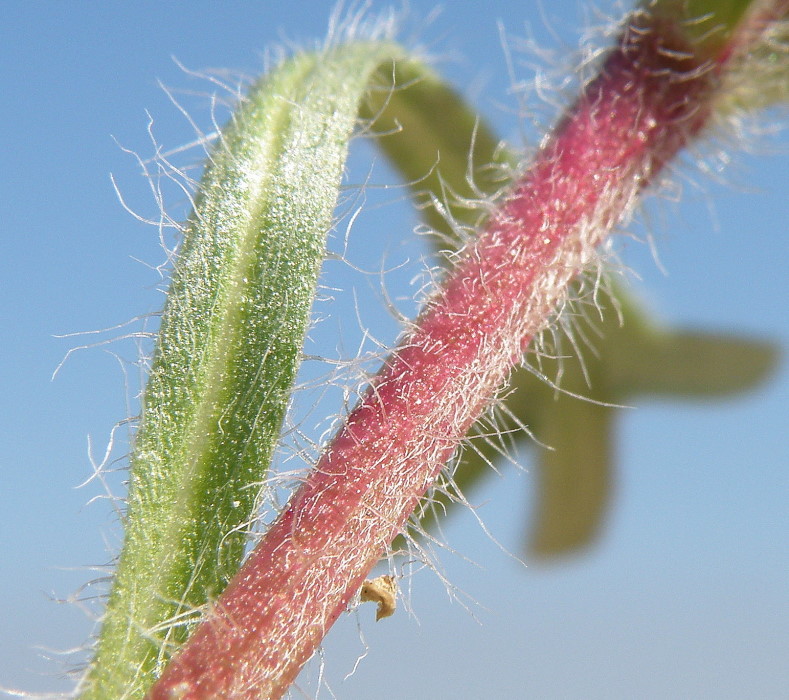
(651, 97)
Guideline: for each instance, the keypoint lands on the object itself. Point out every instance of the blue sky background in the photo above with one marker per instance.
(685, 595)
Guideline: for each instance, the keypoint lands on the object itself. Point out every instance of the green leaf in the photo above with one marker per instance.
(714, 29)
(449, 157)
(227, 353)
(707, 24)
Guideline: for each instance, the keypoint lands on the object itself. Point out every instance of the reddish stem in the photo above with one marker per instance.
(649, 99)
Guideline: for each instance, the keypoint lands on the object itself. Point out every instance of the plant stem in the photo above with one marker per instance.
(652, 96)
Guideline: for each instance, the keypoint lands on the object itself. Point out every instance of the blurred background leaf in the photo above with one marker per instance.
(454, 164)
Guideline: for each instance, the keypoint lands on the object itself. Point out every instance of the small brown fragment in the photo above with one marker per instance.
(381, 590)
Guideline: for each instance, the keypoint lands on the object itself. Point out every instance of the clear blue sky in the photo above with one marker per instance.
(685, 596)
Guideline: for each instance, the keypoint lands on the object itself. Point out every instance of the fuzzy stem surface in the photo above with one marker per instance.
(652, 95)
